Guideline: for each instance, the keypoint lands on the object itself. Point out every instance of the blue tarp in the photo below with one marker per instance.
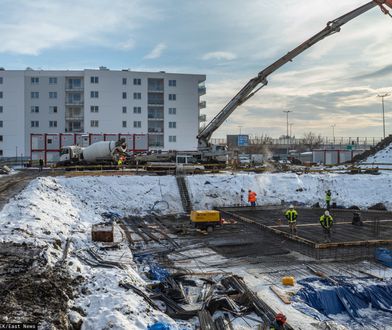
(156, 272)
(347, 297)
(384, 256)
(159, 326)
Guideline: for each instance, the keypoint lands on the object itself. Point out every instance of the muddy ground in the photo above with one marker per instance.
(31, 291)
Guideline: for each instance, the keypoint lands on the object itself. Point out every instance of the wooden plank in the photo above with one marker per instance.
(282, 295)
(371, 274)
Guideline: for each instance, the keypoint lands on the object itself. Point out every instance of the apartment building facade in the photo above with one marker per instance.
(166, 106)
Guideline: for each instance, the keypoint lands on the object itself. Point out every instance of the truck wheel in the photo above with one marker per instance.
(210, 229)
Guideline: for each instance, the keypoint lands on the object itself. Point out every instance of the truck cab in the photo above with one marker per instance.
(69, 155)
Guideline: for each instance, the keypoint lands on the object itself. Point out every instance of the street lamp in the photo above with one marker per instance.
(383, 112)
(291, 128)
(287, 122)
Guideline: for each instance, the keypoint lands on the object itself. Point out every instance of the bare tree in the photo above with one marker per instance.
(312, 141)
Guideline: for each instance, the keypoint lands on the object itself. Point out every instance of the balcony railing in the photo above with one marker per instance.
(73, 102)
(70, 88)
(202, 90)
(202, 104)
(155, 130)
(154, 89)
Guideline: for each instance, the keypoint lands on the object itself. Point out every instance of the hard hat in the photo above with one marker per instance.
(326, 213)
(291, 206)
(281, 317)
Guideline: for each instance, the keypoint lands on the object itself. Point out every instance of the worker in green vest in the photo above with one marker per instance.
(328, 198)
(326, 222)
(291, 216)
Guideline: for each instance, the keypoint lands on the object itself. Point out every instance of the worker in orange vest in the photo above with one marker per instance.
(252, 197)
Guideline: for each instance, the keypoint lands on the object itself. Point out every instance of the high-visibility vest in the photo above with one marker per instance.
(291, 215)
(326, 221)
(252, 196)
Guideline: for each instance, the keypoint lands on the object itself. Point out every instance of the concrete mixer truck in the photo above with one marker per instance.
(102, 152)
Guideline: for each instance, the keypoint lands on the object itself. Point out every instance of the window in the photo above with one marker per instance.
(1, 152)
(34, 80)
(137, 96)
(1, 123)
(1, 138)
(137, 110)
(172, 138)
(172, 97)
(34, 95)
(52, 80)
(172, 124)
(124, 123)
(34, 123)
(137, 124)
(34, 109)
(124, 81)
(124, 95)
(52, 123)
(94, 94)
(173, 83)
(53, 95)
(53, 109)
(94, 108)
(94, 123)
(124, 109)
(1, 109)
(94, 80)
(172, 111)
(137, 81)
(1, 80)
(1, 95)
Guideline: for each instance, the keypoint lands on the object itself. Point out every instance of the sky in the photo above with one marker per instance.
(333, 84)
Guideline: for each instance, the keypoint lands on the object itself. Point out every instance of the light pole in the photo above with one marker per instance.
(291, 128)
(383, 112)
(333, 133)
(287, 122)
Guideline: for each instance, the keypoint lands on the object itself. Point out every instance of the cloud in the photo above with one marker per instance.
(385, 71)
(156, 51)
(126, 45)
(219, 56)
(30, 27)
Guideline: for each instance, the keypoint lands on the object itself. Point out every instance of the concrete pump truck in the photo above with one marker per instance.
(209, 151)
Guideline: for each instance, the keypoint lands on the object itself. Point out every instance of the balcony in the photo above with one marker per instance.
(202, 90)
(202, 104)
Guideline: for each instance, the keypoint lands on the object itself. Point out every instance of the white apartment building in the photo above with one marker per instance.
(166, 106)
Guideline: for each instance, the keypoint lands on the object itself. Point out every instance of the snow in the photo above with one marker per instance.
(277, 188)
(382, 156)
(52, 209)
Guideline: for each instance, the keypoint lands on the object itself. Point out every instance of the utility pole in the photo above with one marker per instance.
(333, 133)
(287, 122)
(383, 112)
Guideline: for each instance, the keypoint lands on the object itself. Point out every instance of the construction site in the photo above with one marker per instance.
(99, 232)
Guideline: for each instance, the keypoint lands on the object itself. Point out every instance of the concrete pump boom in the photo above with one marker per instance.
(258, 82)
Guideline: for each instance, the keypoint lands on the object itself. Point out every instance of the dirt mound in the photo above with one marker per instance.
(31, 291)
(380, 146)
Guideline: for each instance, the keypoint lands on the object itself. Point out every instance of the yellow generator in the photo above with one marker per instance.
(206, 219)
